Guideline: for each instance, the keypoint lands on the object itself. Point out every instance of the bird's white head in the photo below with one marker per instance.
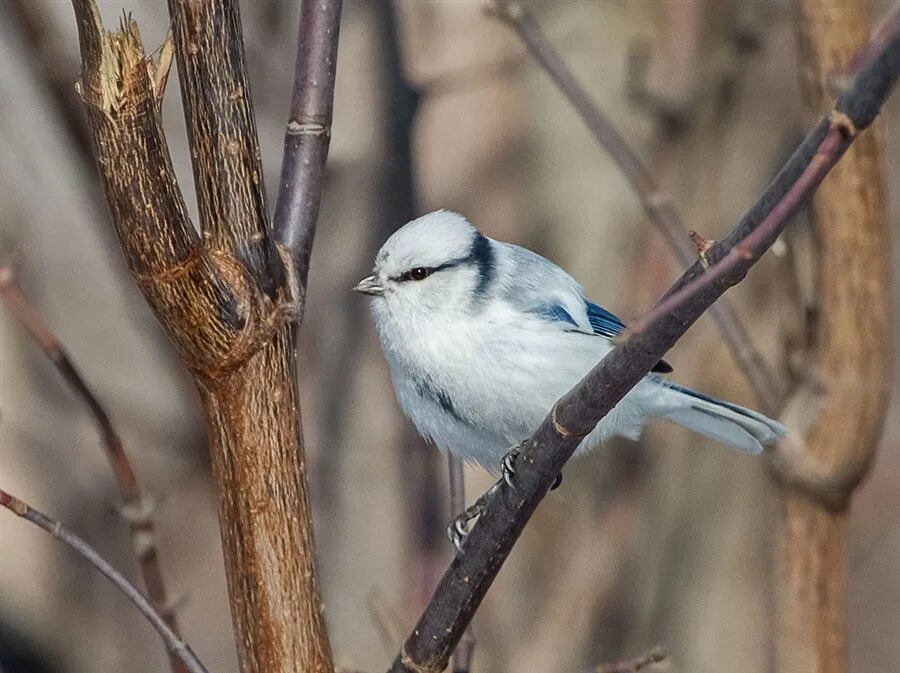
(438, 262)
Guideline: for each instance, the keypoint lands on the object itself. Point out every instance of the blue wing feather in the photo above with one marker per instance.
(602, 321)
(554, 313)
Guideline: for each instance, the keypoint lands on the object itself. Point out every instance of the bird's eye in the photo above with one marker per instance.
(418, 273)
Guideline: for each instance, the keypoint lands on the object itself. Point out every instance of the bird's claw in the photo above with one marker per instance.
(508, 466)
(458, 528)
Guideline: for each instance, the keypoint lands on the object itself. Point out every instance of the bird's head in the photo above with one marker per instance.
(438, 262)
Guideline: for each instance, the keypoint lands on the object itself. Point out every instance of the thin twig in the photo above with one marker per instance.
(136, 506)
(657, 205)
(176, 646)
(306, 141)
(576, 414)
(465, 650)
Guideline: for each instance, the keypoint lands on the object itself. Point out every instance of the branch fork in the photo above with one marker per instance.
(225, 297)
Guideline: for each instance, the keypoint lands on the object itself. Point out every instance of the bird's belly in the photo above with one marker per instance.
(479, 399)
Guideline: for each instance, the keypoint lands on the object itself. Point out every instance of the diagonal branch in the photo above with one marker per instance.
(136, 509)
(470, 575)
(306, 141)
(657, 205)
(176, 646)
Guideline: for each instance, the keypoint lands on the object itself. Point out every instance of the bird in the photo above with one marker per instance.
(482, 337)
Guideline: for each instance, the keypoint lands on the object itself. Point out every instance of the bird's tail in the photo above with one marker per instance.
(728, 423)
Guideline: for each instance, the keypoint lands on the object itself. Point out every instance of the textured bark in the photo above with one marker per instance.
(269, 555)
(217, 297)
(837, 416)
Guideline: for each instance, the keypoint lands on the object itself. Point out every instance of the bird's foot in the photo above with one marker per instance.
(508, 465)
(458, 528)
(508, 468)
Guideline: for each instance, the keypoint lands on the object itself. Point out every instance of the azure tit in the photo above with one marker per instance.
(483, 337)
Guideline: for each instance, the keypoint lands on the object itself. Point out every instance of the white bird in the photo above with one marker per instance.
(483, 337)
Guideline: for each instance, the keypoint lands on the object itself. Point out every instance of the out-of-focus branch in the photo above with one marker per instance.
(837, 412)
(45, 43)
(306, 141)
(470, 575)
(136, 505)
(655, 656)
(462, 656)
(398, 202)
(176, 646)
(825, 157)
(657, 205)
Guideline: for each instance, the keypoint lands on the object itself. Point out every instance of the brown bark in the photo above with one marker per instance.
(216, 296)
(837, 415)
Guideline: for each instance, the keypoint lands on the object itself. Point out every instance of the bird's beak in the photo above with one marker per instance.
(369, 285)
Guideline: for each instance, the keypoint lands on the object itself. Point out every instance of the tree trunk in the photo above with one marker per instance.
(836, 417)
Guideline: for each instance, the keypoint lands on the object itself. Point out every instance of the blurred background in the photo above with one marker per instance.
(668, 541)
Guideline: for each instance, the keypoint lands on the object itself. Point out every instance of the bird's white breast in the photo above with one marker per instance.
(479, 383)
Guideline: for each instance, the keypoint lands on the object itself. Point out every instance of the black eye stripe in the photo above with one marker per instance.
(408, 275)
(417, 273)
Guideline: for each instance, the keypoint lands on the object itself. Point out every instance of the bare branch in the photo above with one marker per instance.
(750, 248)
(120, 86)
(657, 205)
(306, 141)
(470, 575)
(46, 44)
(219, 299)
(222, 131)
(136, 503)
(176, 646)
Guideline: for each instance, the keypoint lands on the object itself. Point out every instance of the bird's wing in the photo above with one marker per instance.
(602, 321)
(537, 285)
(533, 284)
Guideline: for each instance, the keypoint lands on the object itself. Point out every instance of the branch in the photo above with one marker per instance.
(657, 205)
(221, 130)
(470, 575)
(751, 247)
(306, 141)
(176, 646)
(136, 504)
(46, 45)
(219, 299)
(122, 90)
